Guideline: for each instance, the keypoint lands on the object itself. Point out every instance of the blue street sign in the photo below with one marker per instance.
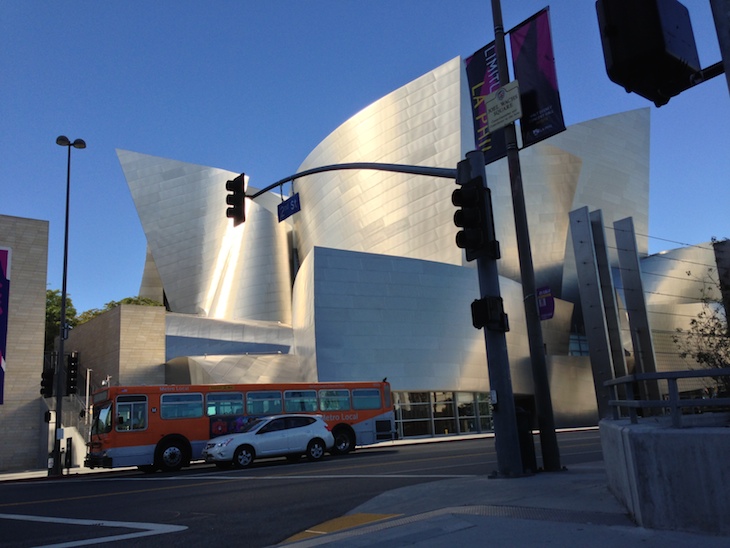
(289, 207)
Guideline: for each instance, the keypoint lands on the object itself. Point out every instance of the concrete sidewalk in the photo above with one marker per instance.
(565, 509)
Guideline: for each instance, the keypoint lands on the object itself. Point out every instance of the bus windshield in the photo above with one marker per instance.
(102, 423)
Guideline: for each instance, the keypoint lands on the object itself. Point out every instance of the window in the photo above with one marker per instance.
(274, 426)
(298, 422)
(297, 401)
(131, 413)
(263, 402)
(466, 411)
(224, 404)
(181, 406)
(443, 413)
(334, 400)
(366, 398)
(102, 423)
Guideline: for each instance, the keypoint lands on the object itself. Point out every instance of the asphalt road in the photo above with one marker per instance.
(260, 506)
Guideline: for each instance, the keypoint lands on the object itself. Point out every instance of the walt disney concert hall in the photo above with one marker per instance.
(366, 281)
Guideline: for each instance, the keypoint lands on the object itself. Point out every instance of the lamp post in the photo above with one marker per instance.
(57, 468)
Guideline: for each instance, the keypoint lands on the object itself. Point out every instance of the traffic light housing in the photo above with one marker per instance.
(72, 373)
(236, 199)
(489, 312)
(47, 378)
(474, 213)
(648, 46)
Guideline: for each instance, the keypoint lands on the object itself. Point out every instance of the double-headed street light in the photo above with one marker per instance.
(57, 468)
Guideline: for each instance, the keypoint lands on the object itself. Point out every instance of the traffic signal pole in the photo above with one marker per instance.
(543, 401)
(504, 414)
(509, 457)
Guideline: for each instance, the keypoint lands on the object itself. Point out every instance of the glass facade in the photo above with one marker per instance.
(425, 414)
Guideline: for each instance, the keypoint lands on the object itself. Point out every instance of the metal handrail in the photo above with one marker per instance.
(673, 402)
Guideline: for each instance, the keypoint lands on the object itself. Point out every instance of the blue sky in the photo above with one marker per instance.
(254, 86)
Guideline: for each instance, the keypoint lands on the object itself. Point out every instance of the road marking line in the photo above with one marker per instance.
(148, 529)
(340, 524)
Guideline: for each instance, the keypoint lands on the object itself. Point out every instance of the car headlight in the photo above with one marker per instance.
(224, 443)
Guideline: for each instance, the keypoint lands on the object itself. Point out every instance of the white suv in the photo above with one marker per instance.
(276, 436)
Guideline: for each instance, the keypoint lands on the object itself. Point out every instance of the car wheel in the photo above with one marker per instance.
(344, 441)
(171, 456)
(315, 449)
(243, 456)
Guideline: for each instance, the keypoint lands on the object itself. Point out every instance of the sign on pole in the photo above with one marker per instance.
(504, 106)
(5, 256)
(288, 207)
(545, 303)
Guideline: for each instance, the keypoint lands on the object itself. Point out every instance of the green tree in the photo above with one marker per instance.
(94, 312)
(53, 316)
(707, 340)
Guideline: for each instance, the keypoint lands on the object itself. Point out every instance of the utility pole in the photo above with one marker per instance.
(721, 15)
(543, 400)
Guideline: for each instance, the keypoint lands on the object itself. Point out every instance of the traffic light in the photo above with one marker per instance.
(649, 46)
(474, 215)
(236, 199)
(72, 373)
(47, 378)
(489, 312)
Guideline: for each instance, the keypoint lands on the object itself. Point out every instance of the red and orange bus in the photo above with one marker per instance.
(166, 426)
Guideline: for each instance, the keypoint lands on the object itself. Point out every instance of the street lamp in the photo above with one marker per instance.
(57, 468)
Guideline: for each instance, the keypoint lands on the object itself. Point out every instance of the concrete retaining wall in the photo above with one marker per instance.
(671, 478)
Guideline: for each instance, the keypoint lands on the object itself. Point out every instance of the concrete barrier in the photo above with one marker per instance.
(671, 478)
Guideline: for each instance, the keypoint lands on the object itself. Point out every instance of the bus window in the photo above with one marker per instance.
(102, 423)
(334, 400)
(131, 413)
(224, 404)
(298, 401)
(366, 398)
(263, 402)
(181, 406)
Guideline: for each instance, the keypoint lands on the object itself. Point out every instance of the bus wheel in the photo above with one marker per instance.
(315, 449)
(243, 456)
(344, 440)
(171, 455)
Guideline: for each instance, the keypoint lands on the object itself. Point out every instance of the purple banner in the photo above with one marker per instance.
(5, 256)
(534, 69)
(545, 303)
(483, 77)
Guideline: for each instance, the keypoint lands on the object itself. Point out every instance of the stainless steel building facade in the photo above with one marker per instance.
(366, 280)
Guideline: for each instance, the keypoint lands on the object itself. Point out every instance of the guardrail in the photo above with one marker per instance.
(673, 402)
